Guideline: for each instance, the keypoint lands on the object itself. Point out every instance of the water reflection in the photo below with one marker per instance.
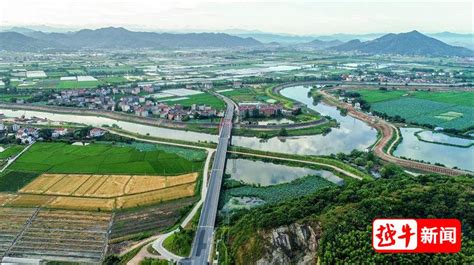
(266, 173)
(351, 134)
(450, 156)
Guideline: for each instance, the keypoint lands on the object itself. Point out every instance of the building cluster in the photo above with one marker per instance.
(176, 112)
(404, 77)
(128, 100)
(84, 98)
(257, 109)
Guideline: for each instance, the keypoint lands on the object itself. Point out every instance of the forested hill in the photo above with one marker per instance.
(409, 43)
(334, 224)
(119, 38)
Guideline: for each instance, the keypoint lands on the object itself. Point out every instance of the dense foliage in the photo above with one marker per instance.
(346, 214)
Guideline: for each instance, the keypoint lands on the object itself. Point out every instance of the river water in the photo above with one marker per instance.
(351, 134)
(266, 173)
(450, 156)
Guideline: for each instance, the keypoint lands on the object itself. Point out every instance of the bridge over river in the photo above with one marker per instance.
(202, 243)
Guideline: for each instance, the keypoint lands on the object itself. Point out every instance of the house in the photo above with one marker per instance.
(96, 132)
(207, 85)
(3, 127)
(357, 106)
(59, 132)
(142, 112)
(27, 135)
(15, 127)
(237, 84)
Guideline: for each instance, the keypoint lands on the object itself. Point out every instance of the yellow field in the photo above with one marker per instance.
(40, 185)
(82, 203)
(105, 192)
(4, 198)
(165, 194)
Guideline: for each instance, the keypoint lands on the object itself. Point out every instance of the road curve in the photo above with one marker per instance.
(158, 243)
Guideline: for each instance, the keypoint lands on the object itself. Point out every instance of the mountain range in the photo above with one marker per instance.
(410, 43)
(106, 38)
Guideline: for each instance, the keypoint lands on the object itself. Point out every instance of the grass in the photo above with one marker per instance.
(455, 98)
(199, 99)
(373, 96)
(114, 80)
(12, 181)
(313, 130)
(77, 84)
(422, 111)
(102, 159)
(180, 242)
(241, 95)
(11, 151)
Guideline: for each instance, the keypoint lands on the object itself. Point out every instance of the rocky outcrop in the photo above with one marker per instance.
(293, 244)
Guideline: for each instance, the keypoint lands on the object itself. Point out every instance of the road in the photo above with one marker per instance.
(158, 243)
(202, 244)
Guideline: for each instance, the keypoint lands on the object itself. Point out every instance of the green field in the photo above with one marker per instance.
(77, 84)
(280, 192)
(456, 98)
(241, 95)
(373, 96)
(113, 80)
(454, 110)
(199, 99)
(14, 180)
(11, 151)
(103, 159)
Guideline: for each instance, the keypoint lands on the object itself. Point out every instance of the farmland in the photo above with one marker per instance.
(145, 219)
(107, 192)
(53, 234)
(11, 150)
(455, 98)
(103, 159)
(199, 99)
(454, 110)
(77, 84)
(101, 176)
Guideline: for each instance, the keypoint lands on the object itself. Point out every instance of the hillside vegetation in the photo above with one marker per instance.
(341, 219)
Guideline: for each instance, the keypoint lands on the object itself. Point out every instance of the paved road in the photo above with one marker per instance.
(202, 243)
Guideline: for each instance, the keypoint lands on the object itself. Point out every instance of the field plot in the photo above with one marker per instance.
(63, 236)
(105, 192)
(424, 111)
(104, 159)
(153, 218)
(12, 222)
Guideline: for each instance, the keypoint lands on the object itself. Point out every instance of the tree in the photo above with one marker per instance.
(283, 132)
(111, 260)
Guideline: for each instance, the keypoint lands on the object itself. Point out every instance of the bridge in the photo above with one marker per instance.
(203, 240)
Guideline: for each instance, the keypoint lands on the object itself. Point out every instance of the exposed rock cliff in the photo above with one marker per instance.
(293, 244)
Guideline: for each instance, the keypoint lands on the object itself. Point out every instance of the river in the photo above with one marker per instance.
(450, 156)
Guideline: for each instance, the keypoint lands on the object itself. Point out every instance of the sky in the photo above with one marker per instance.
(300, 17)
